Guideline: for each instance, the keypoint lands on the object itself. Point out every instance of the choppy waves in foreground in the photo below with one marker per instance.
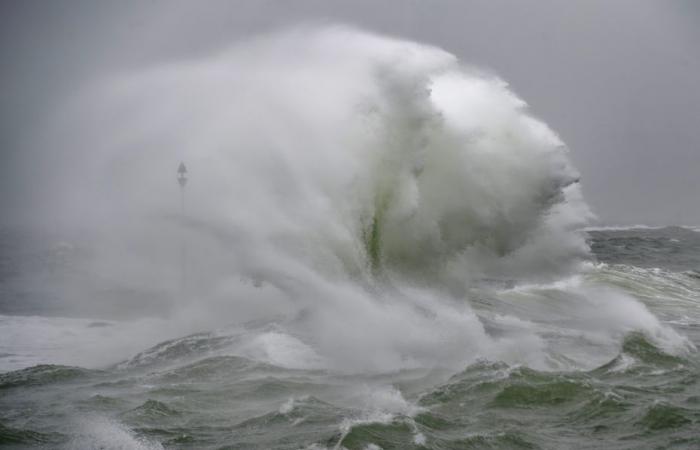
(380, 248)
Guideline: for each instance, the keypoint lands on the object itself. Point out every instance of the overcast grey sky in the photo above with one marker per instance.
(618, 80)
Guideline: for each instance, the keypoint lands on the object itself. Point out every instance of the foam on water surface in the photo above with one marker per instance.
(381, 247)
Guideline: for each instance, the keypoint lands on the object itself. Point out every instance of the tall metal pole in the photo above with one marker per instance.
(182, 181)
(182, 201)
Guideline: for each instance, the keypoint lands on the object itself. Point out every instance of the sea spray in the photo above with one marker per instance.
(382, 253)
(351, 188)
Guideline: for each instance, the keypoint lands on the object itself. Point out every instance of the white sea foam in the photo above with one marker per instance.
(32, 340)
(108, 434)
(356, 184)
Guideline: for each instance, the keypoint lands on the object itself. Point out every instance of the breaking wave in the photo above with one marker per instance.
(349, 188)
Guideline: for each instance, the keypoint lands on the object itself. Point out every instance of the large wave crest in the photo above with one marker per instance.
(353, 184)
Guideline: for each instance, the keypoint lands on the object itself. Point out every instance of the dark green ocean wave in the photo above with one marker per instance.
(42, 375)
(17, 437)
(194, 392)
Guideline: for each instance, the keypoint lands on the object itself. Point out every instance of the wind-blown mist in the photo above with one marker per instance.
(356, 191)
(377, 247)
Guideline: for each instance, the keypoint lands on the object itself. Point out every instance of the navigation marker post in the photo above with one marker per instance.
(182, 181)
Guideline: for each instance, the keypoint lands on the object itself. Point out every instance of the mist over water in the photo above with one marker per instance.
(361, 182)
(355, 187)
(356, 204)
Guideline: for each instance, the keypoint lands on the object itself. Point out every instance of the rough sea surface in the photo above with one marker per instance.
(378, 247)
(255, 386)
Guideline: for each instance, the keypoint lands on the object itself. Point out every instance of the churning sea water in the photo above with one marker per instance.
(257, 385)
(378, 248)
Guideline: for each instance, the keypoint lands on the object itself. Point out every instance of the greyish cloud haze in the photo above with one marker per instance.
(617, 80)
